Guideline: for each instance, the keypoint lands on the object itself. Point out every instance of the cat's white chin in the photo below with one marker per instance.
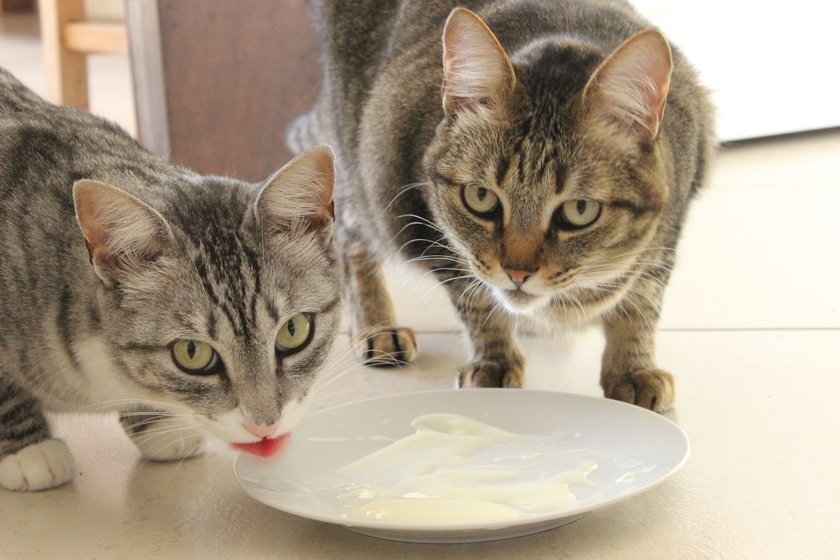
(230, 426)
(519, 301)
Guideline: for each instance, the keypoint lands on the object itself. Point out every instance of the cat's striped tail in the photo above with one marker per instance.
(304, 132)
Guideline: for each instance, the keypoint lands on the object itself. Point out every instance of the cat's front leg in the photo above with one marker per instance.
(496, 360)
(377, 339)
(29, 458)
(628, 367)
(163, 436)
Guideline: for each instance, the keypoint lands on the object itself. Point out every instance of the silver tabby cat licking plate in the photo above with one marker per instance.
(188, 304)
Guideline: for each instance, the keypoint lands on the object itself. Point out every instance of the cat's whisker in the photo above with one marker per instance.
(169, 438)
(151, 417)
(497, 305)
(429, 262)
(404, 189)
(422, 240)
(360, 346)
(447, 281)
(367, 333)
(116, 404)
(433, 245)
(472, 287)
(424, 221)
(645, 250)
(562, 302)
(438, 270)
(482, 290)
(436, 256)
(641, 313)
(579, 305)
(154, 441)
(633, 291)
(342, 365)
(435, 229)
(638, 270)
(318, 388)
(153, 432)
(409, 224)
(147, 422)
(632, 266)
(630, 275)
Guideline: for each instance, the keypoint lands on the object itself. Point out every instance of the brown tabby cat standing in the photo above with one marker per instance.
(542, 156)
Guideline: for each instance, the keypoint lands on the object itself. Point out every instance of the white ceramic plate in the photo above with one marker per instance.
(637, 448)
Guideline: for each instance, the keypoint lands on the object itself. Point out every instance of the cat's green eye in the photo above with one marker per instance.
(294, 334)
(194, 356)
(576, 214)
(480, 201)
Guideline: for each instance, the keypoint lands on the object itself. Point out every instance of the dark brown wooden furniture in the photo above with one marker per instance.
(216, 82)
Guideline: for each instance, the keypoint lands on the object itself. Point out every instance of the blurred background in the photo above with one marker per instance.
(218, 81)
(213, 84)
(750, 325)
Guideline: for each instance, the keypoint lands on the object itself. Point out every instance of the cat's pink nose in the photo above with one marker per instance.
(518, 275)
(260, 430)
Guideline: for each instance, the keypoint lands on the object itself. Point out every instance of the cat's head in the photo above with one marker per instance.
(219, 298)
(547, 173)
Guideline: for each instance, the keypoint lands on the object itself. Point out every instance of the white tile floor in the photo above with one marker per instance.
(751, 328)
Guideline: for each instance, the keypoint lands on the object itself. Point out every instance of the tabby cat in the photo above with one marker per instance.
(189, 304)
(540, 159)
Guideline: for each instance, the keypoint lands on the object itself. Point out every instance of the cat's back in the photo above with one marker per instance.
(46, 142)
(362, 41)
(393, 48)
(44, 150)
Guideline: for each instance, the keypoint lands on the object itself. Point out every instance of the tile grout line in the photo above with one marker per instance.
(666, 330)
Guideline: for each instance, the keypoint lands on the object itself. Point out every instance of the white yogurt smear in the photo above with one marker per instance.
(457, 469)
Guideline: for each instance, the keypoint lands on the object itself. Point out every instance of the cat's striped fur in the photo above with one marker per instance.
(88, 315)
(542, 103)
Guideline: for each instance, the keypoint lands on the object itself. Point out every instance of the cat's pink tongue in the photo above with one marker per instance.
(263, 448)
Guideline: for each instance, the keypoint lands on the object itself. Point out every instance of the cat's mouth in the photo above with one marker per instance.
(266, 447)
(519, 296)
(520, 300)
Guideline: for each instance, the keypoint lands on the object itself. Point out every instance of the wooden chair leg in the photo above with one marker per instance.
(15, 5)
(66, 70)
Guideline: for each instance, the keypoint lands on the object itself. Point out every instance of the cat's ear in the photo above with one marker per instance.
(476, 70)
(628, 90)
(123, 234)
(298, 198)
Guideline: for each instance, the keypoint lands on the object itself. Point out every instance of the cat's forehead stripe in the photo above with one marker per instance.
(561, 175)
(212, 321)
(330, 305)
(228, 270)
(502, 168)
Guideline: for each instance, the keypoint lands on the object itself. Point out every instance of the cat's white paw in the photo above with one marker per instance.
(37, 467)
(169, 439)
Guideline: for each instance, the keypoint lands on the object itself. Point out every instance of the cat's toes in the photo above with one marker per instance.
(490, 373)
(37, 467)
(387, 346)
(169, 440)
(652, 389)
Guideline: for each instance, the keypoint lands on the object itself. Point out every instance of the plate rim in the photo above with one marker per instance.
(477, 526)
